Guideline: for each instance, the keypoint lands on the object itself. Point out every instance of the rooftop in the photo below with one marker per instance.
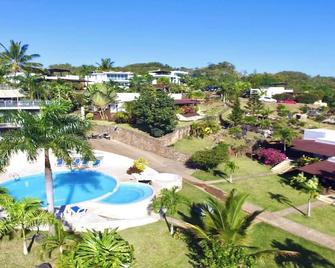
(311, 146)
(325, 169)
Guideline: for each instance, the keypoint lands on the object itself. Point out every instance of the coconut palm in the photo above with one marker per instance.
(52, 130)
(286, 136)
(225, 222)
(103, 249)
(33, 87)
(167, 203)
(101, 96)
(24, 214)
(230, 168)
(106, 64)
(61, 240)
(16, 59)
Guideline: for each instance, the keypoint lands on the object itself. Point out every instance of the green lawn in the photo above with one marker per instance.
(247, 167)
(268, 192)
(192, 145)
(311, 255)
(322, 219)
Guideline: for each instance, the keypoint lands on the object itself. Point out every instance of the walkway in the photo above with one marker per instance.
(162, 164)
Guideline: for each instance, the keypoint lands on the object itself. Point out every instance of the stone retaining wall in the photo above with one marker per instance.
(146, 142)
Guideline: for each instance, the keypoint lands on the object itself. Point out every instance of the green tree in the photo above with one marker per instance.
(33, 87)
(101, 95)
(24, 214)
(236, 115)
(16, 59)
(140, 82)
(167, 203)
(254, 106)
(309, 186)
(105, 249)
(61, 240)
(155, 112)
(105, 64)
(286, 136)
(230, 168)
(52, 130)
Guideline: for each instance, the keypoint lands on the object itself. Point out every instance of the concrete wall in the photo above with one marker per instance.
(146, 142)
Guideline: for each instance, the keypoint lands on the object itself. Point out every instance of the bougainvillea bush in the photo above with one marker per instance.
(270, 156)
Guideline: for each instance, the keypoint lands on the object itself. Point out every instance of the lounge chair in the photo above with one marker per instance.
(76, 162)
(59, 213)
(75, 210)
(59, 162)
(84, 164)
(96, 163)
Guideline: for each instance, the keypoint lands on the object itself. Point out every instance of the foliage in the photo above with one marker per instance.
(140, 83)
(286, 135)
(224, 255)
(236, 132)
(282, 110)
(139, 165)
(204, 128)
(230, 168)
(306, 160)
(254, 106)
(89, 116)
(196, 94)
(24, 214)
(16, 59)
(308, 98)
(103, 249)
(236, 115)
(105, 64)
(283, 96)
(121, 117)
(270, 156)
(209, 159)
(155, 113)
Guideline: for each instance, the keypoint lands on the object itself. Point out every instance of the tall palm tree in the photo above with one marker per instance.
(25, 215)
(33, 87)
(286, 136)
(103, 249)
(225, 222)
(61, 240)
(52, 130)
(167, 203)
(15, 57)
(105, 64)
(101, 96)
(230, 168)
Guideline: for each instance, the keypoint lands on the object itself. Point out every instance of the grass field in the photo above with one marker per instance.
(322, 219)
(268, 192)
(192, 145)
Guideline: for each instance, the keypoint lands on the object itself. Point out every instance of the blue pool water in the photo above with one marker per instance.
(129, 193)
(69, 187)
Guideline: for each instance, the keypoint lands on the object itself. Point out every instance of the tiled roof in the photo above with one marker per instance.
(310, 146)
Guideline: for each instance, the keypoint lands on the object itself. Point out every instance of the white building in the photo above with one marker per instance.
(270, 91)
(123, 78)
(173, 76)
(320, 135)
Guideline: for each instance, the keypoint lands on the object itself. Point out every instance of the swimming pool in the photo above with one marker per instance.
(127, 193)
(69, 187)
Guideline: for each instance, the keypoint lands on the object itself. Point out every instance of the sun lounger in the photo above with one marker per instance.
(84, 164)
(76, 162)
(96, 163)
(76, 210)
(59, 162)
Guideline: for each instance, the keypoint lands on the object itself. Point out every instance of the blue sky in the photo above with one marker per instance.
(261, 35)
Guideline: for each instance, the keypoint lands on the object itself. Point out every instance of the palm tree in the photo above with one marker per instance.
(33, 87)
(286, 136)
(103, 249)
(225, 222)
(101, 96)
(52, 130)
(15, 57)
(25, 215)
(106, 64)
(60, 240)
(230, 168)
(167, 203)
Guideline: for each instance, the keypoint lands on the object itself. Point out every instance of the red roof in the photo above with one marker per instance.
(310, 146)
(186, 101)
(325, 169)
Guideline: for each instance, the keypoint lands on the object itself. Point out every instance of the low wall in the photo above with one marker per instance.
(146, 142)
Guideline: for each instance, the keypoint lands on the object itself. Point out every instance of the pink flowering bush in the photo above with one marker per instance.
(270, 156)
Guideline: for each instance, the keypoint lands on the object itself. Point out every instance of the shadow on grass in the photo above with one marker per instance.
(305, 259)
(284, 200)
(194, 216)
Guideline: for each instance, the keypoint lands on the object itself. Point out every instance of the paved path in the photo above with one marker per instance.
(300, 209)
(162, 164)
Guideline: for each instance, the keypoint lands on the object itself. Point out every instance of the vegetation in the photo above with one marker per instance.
(204, 128)
(270, 156)
(155, 113)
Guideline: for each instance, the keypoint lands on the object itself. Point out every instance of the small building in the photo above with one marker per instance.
(173, 76)
(121, 100)
(270, 91)
(122, 78)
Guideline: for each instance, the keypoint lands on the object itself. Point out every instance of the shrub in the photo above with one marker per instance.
(307, 98)
(138, 166)
(270, 156)
(121, 117)
(236, 132)
(283, 96)
(306, 160)
(188, 110)
(89, 116)
(204, 128)
(282, 110)
(209, 159)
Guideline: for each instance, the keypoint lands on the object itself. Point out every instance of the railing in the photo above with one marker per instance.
(23, 103)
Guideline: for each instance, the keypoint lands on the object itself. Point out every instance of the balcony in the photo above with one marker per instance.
(21, 104)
